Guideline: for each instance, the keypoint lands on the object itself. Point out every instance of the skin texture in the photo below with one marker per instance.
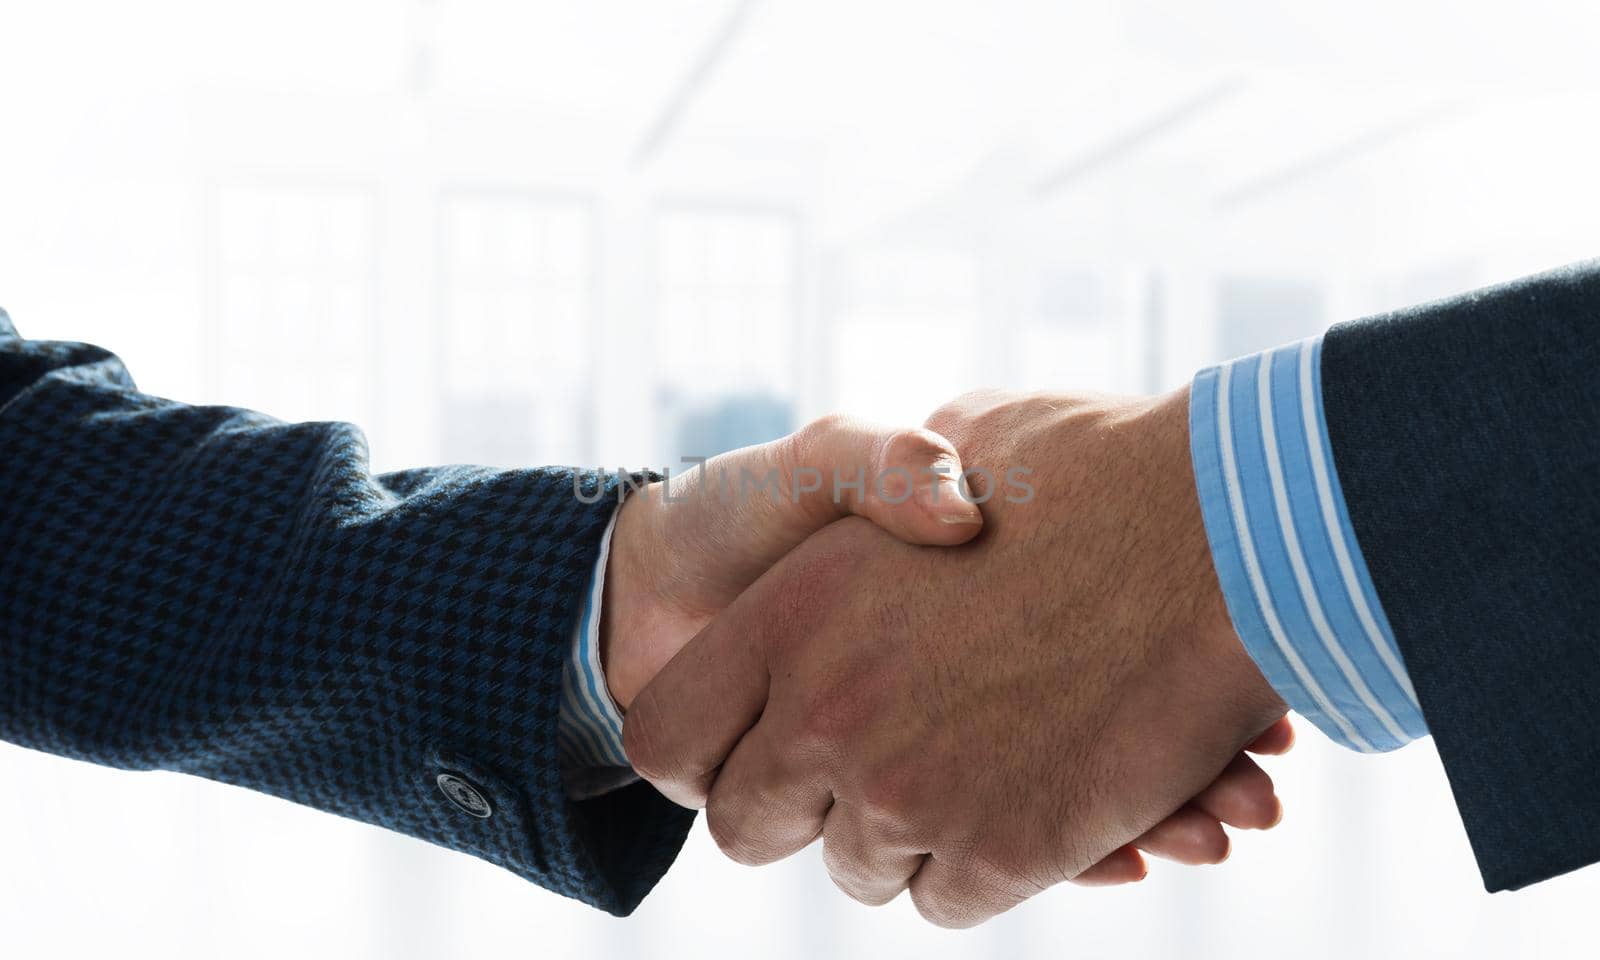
(979, 723)
(683, 549)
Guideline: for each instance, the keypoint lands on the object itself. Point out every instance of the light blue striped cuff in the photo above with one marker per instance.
(1296, 587)
(589, 726)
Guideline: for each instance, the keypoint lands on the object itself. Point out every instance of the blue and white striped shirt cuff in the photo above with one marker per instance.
(1296, 587)
(589, 725)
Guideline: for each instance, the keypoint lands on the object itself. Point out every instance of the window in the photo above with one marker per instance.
(906, 338)
(516, 317)
(727, 336)
(292, 280)
(1091, 329)
(1257, 313)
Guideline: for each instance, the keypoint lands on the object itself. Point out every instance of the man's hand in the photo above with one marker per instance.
(684, 548)
(980, 723)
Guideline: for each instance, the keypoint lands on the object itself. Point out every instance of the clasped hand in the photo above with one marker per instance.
(975, 702)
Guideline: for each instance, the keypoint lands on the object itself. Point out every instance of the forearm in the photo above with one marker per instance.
(211, 591)
(1293, 573)
(1467, 435)
(1403, 520)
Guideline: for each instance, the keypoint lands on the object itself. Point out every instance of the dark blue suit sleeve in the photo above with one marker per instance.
(210, 591)
(1466, 435)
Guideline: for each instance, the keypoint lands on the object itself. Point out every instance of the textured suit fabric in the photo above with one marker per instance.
(210, 591)
(1467, 438)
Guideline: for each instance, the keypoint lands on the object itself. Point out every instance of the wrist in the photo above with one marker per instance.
(1220, 652)
(625, 628)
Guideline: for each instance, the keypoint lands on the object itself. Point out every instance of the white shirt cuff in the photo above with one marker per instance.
(589, 725)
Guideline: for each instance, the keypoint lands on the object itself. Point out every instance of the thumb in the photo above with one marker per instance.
(905, 480)
(685, 548)
(745, 509)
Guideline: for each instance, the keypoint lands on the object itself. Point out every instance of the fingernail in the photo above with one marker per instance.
(944, 498)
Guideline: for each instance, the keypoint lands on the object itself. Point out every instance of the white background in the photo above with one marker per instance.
(614, 233)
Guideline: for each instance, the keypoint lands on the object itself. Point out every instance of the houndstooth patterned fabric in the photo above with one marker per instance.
(211, 591)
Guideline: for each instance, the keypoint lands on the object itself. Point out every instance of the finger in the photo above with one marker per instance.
(682, 726)
(1276, 740)
(760, 808)
(1189, 836)
(957, 419)
(1242, 796)
(864, 858)
(758, 503)
(910, 479)
(948, 896)
(1123, 865)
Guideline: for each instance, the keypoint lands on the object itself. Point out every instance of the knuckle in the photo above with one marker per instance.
(807, 444)
(850, 868)
(827, 425)
(915, 447)
(639, 739)
(888, 799)
(941, 910)
(848, 873)
(974, 890)
(970, 420)
(842, 859)
(862, 891)
(1003, 871)
(964, 407)
(949, 420)
(729, 836)
(730, 827)
(650, 758)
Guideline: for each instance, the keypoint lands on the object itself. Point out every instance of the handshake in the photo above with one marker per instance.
(976, 659)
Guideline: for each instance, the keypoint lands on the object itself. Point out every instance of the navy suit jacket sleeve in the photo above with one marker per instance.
(210, 591)
(1467, 439)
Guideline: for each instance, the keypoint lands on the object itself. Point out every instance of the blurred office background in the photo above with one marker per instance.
(616, 233)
